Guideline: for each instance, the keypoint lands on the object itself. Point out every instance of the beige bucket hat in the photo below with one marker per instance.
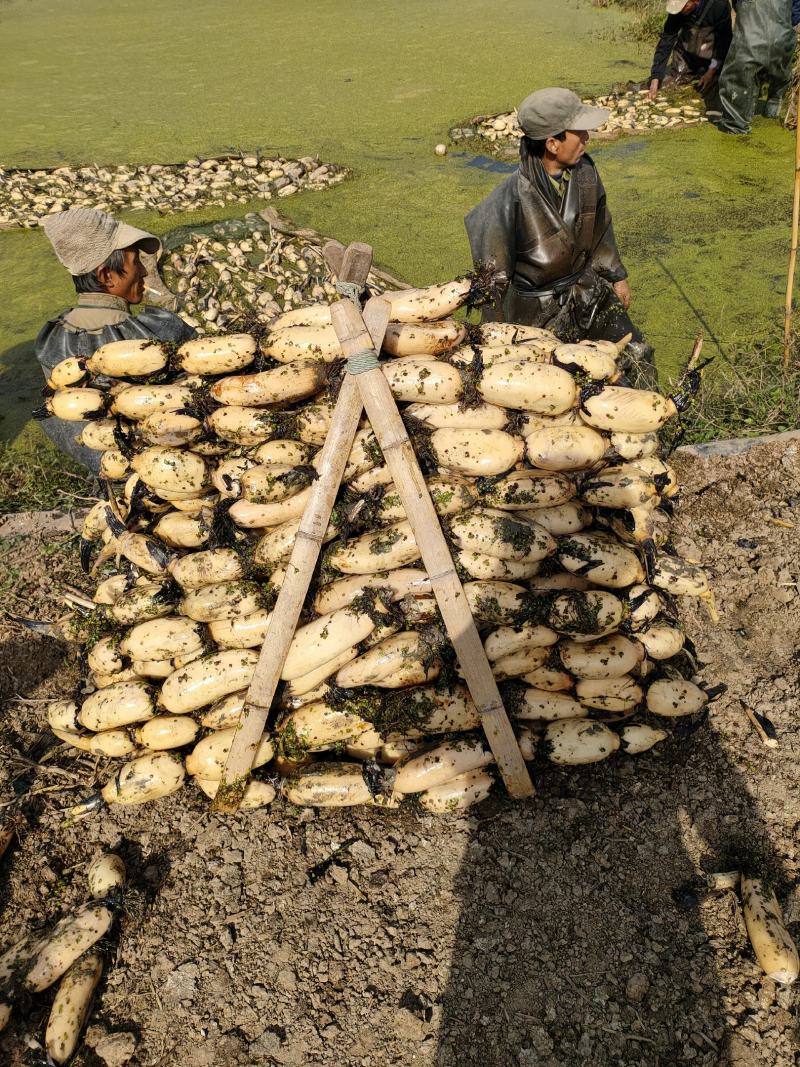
(83, 238)
(674, 7)
(550, 111)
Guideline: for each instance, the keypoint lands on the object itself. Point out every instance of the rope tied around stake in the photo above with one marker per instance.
(361, 362)
(351, 290)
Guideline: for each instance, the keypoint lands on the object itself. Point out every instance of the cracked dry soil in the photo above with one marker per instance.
(568, 931)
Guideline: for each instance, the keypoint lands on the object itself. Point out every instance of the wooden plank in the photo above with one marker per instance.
(303, 559)
(402, 462)
(29, 523)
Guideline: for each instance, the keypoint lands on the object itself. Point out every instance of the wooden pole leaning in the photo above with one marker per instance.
(352, 266)
(365, 335)
(387, 425)
(787, 313)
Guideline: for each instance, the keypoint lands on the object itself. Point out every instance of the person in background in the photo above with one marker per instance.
(547, 232)
(102, 255)
(693, 45)
(762, 51)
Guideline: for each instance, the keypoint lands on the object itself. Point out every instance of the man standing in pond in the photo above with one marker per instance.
(762, 52)
(547, 230)
(693, 45)
(102, 255)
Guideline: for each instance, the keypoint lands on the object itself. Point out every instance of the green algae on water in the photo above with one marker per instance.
(702, 220)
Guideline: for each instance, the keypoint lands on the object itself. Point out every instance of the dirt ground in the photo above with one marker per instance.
(570, 930)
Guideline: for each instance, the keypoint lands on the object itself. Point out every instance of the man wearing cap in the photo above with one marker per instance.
(547, 230)
(693, 45)
(102, 255)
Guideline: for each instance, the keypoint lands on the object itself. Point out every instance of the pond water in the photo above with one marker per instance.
(495, 166)
(375, 86)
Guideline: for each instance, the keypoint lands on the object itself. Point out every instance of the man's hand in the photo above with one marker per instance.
(653, 89)
(705, 82)
(623, 291)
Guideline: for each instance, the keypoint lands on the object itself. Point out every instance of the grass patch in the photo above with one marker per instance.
(650, 17)
(35, 476)
(747, 395)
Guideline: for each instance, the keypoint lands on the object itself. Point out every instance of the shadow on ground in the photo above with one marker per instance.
(27, 661)
(584, 936)
(22, 383)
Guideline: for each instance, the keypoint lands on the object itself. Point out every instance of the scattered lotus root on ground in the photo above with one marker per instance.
(71, 953)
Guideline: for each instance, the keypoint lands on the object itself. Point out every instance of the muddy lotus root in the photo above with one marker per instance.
(549, 492)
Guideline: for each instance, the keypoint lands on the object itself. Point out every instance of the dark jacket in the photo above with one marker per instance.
(795, 12)
(537, 242)
(56, 341)
(703, 35)
(763, 49)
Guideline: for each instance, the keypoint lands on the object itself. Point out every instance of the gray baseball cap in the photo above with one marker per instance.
(550, 111)
(83, 238)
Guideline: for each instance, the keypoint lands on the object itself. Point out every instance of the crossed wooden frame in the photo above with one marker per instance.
(365, 388)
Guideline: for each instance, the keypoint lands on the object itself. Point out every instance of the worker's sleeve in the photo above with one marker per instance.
(163, 324)
(52, 345)
(605, 259)
(795, 12)
(666, 43)
(723, 34)
(492, 229)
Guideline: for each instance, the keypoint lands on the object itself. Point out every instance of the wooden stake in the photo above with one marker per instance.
(398, 453)
(354, 265)
(787, 319)
(333, 254)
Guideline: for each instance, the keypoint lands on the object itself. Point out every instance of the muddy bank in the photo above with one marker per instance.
(561, 932)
